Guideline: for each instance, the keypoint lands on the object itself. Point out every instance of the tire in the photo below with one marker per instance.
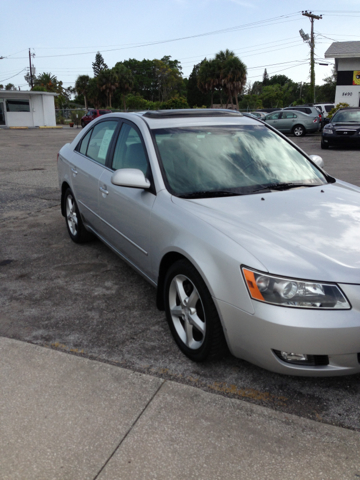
(74, 224)
(192, 315)
(82, 123)
(324, 146)
(298, 131)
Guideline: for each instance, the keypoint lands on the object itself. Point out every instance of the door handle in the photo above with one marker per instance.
(103, 190)
(74, 171)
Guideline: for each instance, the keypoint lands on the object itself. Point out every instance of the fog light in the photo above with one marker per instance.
(302, 358)
(294, 357)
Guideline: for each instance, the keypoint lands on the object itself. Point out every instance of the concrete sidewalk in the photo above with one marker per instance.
(67, 418)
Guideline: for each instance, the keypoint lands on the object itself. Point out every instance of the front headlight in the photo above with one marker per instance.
(328, 129)
(290, 292)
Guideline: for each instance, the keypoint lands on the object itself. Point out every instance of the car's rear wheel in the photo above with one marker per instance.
(324, 146)
(191, 314)
(74, 224)
(299, 131)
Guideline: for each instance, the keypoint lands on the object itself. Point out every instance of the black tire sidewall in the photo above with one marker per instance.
(303, 131)
(78, 237)
(183, 267)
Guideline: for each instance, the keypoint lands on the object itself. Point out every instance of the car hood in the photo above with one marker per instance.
(311, 233)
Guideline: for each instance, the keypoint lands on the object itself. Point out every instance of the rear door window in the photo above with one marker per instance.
(84, 143)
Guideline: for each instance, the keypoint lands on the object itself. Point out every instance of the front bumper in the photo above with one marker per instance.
(335, 139)
(328, 332)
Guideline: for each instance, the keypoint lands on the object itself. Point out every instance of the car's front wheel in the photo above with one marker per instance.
(191, 314)
(74, 224)
(82, 123)
(299, 131)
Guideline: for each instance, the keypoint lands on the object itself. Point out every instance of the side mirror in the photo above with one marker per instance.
(317, 160)
(130, 177)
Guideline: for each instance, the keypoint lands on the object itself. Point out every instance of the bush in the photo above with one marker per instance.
(136, 102)
(336, 108)
(76, 116)
(175, 102)
(60, 119)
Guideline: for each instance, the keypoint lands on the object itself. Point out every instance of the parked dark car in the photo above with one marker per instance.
(343, 129)
(91, 115)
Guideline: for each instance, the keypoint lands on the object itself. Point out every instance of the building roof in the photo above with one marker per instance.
(21, 93)
(343, 50)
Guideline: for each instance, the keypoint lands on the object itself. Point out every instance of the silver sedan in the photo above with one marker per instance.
(293, 121)
(251, 245)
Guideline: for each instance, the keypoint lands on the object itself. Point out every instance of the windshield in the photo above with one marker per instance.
(238, 160)
(344, 116)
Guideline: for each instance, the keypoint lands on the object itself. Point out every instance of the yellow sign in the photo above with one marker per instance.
(356, 77)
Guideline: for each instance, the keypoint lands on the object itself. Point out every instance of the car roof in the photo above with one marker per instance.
(192, 117)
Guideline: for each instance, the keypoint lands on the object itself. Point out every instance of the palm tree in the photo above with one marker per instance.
(232, 74)
(125, 80)
(207, 77)
(82, 87)
(108, 81)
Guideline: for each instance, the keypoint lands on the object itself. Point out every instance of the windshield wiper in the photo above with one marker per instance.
(210, 194)
(282, 186)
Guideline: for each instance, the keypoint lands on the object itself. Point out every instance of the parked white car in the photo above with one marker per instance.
(251, 245)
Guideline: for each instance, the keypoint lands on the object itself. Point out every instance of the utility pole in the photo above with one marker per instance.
(312, 48)
(31, 71)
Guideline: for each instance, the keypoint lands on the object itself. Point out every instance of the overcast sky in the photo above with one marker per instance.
(65, 35)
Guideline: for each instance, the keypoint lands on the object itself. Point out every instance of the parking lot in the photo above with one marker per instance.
(84, 300)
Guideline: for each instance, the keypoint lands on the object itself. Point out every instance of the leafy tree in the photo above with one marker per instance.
(82, 87)
(326, 93)
(99, 65)
(250, 102)
(194, 95)
(125, 80)
(272, 96)
(256, 88)
(168, 79)
(278, 80)
(108, 82)
(10, 86)
(144, 77)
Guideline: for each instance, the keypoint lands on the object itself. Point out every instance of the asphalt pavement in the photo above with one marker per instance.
(92, 385)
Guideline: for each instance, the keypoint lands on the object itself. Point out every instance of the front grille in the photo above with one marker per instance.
(346, 133)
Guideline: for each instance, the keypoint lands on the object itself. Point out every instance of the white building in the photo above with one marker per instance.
(347, 63)
(27, 109)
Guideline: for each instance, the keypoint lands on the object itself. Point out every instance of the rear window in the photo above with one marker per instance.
(103, 112)
(329, 107)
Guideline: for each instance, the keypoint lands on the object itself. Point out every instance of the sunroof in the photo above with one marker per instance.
(191, 113)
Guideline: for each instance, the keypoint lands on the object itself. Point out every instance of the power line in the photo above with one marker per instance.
(4, 80)
(260, 23)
